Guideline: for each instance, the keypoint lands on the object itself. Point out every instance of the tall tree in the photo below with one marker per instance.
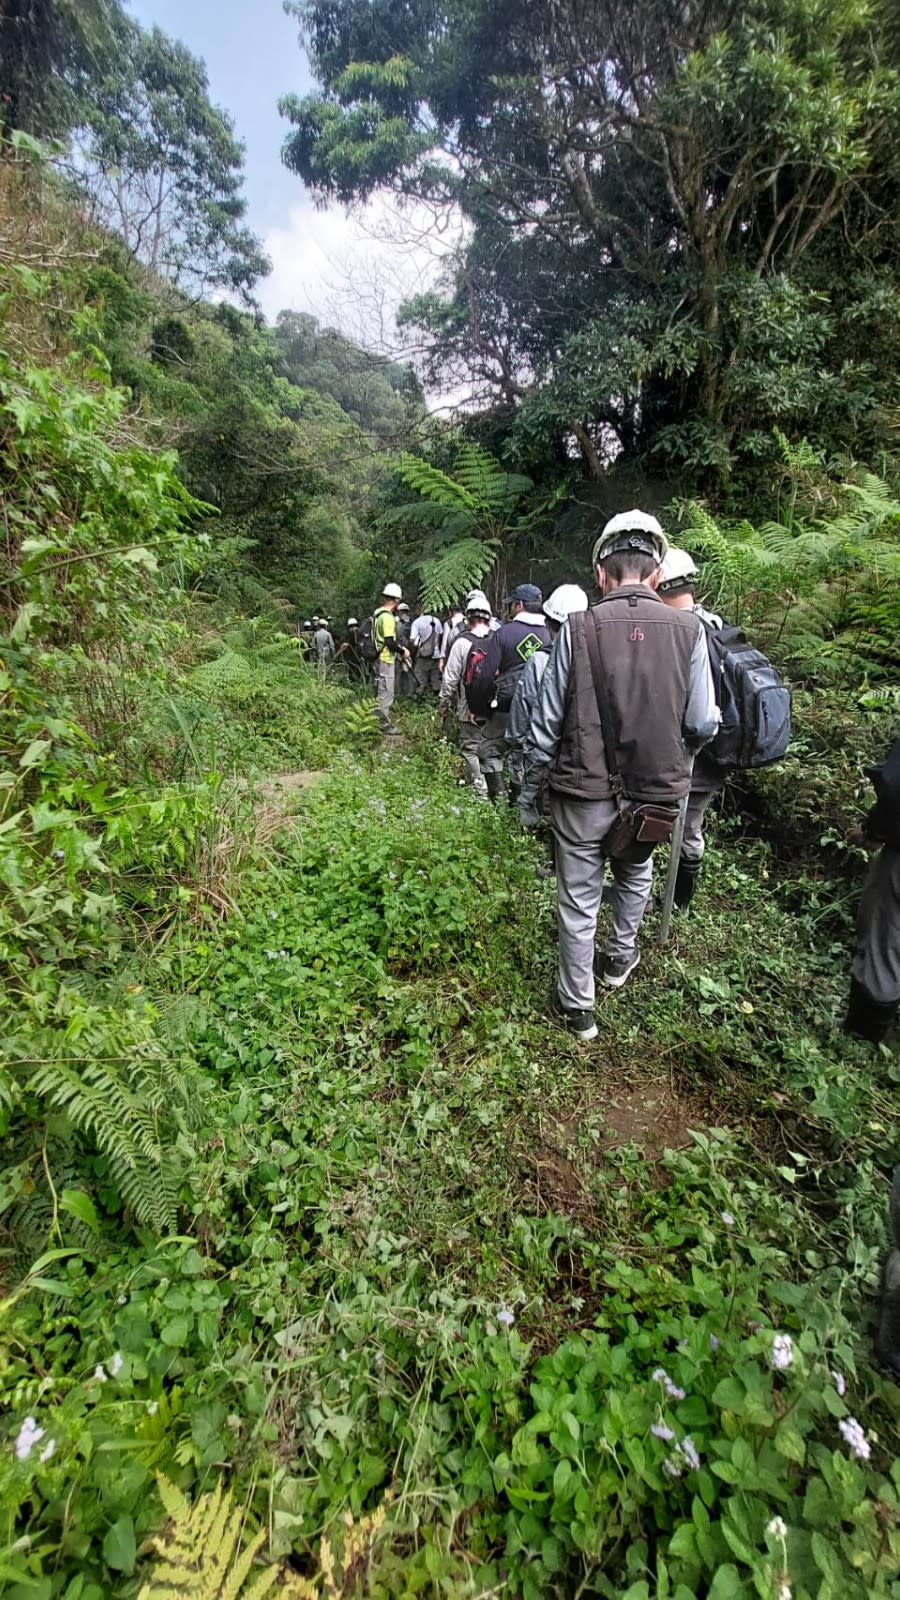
(163, 168)
(681, 214)
(47, 51)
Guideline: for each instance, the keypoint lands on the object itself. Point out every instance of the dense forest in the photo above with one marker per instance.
(328, 1267)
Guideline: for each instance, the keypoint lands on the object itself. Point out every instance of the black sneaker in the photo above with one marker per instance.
(390, 731)
(580, 1024)
(616, 970)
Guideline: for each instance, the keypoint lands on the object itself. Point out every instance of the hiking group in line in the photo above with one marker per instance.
(616, 725)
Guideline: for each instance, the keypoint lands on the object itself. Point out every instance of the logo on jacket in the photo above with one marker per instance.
(635, 636)
(528, 646)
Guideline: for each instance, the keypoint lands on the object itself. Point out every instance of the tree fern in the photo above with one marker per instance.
(432, 484)
(478, 515)
(448, 576)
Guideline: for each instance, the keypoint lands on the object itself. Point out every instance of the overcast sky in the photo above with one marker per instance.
(339, 268)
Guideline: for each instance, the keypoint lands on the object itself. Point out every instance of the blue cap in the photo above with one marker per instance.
(528, 593)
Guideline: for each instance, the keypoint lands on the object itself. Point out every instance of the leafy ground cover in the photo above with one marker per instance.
(573, 1322)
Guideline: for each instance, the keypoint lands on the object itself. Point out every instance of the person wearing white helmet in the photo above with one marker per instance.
(470, 729)
(323, 644)
(677, 587)
(387, 648)
(406, 683)
(627, 696)
(425, 638)
(568, 597)
(349, 652)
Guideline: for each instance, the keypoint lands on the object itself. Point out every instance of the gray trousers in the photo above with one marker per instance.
(494, 742)
(426, 673)
(470, 737)
(699, 803)
(876, 960)
(579, 829)
(384, 689)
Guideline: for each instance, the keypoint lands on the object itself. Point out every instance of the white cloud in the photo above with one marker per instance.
(353, 269)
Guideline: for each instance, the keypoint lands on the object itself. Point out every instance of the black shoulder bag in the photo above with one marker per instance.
(640, 828)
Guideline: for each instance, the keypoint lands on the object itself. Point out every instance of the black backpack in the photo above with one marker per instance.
(477, 651)
(754, 701)
(365, 640)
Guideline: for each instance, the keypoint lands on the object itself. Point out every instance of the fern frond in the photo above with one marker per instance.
(432, 484)
(447, 576)
(884, 698)
(99, 1102)
(200, 1555)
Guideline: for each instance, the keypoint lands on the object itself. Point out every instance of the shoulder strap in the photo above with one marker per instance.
(591, 637)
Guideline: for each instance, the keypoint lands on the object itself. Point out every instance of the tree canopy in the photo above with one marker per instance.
(162, 165)
(682, 219)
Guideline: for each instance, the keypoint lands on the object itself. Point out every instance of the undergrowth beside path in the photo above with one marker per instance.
(432, 1256)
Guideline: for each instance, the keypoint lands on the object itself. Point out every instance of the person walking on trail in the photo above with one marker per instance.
(491, 692)
(406, 683)
(388, 648)
(627, 697)
(349, 652)
(425, 637)
(453, 627)
(755, 707)
(562, 602)
(677, 587)
(470, 729)
(323, 644)
(875, 970)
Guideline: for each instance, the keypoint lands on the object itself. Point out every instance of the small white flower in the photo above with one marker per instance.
(273, 915)
(782, 1352)
(115, 1365)
(672, 1389)
(271, 955)
(28, 1436)
(691, 1453)
(48, 1450)
(122, 1300)
(713, 1341)
(505, 1317)
(777, 1528)
(784, 1590)
(661, 1431)
(728, 1219)
(840, 1383)
(152, 1407)
(855, 1436)
(672, 1466)
(99, 1374)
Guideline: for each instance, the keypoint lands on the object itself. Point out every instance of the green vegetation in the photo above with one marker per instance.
(328, 1266)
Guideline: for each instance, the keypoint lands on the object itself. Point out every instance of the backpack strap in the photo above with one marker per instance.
(592, 639)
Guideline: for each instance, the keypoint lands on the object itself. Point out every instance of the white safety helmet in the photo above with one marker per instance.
(631, 531)
(678, 571)
(352, 622)
(477, 604)
(307, 624)
(392, 591)
(564, 600)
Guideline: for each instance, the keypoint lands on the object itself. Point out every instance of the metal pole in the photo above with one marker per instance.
(665, 920)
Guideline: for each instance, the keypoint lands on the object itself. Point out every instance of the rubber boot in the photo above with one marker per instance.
(867, 1018)
(495, 785)
(686, 882)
